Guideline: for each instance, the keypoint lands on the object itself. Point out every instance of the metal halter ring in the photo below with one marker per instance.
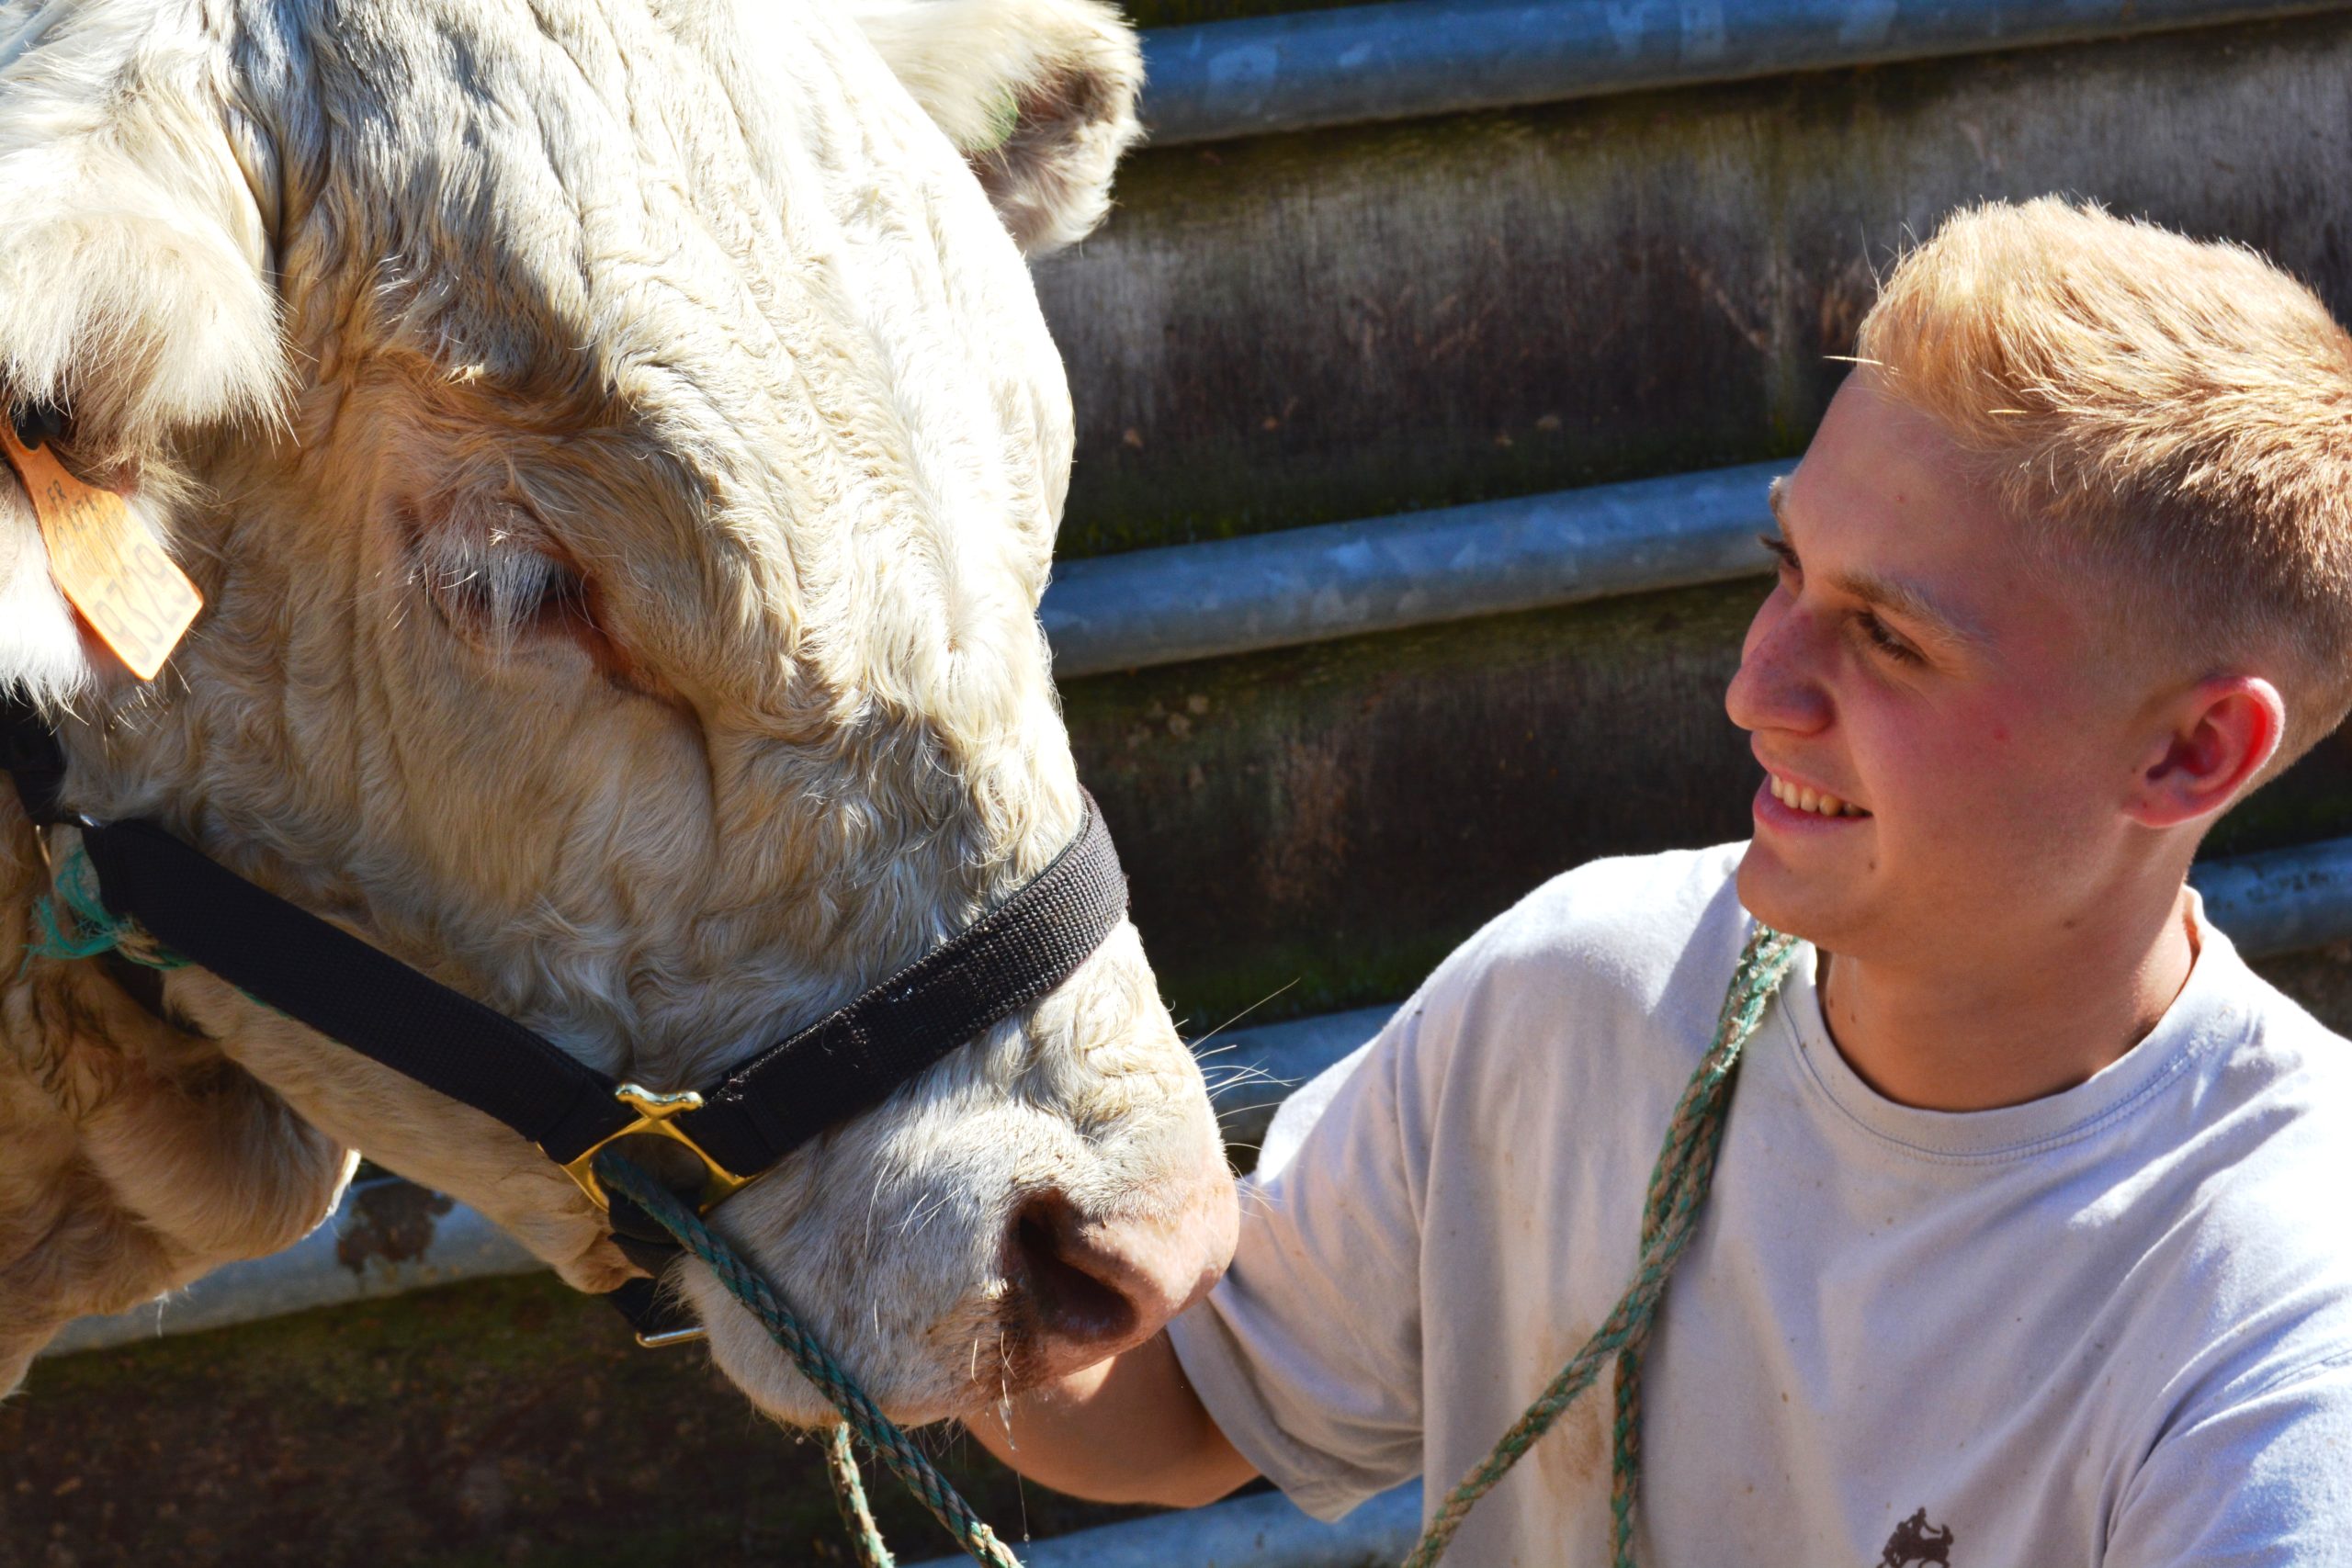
(653, 1115)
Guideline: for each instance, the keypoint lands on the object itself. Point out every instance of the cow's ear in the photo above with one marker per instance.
(1038, 94)
(134, 295)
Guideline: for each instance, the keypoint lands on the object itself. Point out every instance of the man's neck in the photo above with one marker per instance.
(1945, 1037)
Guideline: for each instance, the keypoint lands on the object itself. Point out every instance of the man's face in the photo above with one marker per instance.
(1952, 691)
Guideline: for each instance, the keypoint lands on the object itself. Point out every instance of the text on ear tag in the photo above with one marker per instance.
(134, 596)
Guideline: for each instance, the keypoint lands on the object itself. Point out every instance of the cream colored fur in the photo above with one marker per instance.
(1038, 96)
(621, 452)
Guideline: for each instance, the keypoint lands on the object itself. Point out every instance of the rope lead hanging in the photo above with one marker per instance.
(859, 1414)
(1678, 1189)
(849, 1493)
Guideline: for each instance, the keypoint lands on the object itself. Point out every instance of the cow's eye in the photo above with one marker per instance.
(497, 587)
(502, 587)
(509, 595)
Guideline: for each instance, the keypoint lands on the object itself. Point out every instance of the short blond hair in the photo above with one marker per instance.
(2175, 414)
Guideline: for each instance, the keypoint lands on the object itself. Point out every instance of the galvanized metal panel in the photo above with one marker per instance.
(1354, 324)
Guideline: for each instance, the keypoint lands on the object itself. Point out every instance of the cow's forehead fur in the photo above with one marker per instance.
(737, 253)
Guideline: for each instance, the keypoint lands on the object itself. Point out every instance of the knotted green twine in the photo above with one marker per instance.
(1678, 1189)
(73, 923)
(859, 1414)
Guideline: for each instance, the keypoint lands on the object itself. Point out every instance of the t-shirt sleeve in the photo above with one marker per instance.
(1309, 1352)
(2264, 1482)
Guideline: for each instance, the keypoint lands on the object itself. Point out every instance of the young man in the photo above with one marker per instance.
(2028, 1244)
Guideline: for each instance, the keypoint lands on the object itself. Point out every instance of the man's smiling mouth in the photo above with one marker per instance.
(1803, 799)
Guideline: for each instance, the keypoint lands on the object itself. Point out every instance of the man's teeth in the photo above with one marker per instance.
(1804, 799)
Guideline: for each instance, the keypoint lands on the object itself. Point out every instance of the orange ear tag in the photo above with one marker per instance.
(134, 596)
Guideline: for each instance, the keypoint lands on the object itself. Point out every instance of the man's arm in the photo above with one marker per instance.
(1127, 1430)
(1330, 1236)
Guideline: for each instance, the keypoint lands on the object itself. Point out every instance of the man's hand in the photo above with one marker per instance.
(1126, 1430)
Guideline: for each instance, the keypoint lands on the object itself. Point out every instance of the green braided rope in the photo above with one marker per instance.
(1677, 1189)
(849, 1493)
(863, 1416)
(1679, 1184)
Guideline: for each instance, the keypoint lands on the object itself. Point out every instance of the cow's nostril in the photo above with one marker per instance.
(1081, 1292)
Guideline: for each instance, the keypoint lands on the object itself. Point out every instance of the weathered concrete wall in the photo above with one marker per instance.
(1343, 324)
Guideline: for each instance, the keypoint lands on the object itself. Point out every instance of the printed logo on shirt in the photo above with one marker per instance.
(1916, 1540)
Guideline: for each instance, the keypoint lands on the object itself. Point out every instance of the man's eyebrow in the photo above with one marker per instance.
(1886, 592)
(1889, 593)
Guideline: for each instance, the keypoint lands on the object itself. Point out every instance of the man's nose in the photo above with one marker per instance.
(1779, 684)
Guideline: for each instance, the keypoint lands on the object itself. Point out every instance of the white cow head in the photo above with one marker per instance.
(620, 451)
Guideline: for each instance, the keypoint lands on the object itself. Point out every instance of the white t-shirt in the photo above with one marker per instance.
(2111, 1326)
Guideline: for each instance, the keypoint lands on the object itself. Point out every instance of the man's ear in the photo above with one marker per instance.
(2216, 743)
(133, 291)
(1039, 95)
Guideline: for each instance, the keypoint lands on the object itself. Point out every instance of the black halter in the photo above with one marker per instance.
(844, 1063)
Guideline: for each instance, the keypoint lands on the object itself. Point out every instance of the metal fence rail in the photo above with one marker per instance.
(388, 1238)
(1180, 602)
(1219, 80)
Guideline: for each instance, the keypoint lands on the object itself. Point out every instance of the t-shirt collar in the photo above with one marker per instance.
(2198, 1019)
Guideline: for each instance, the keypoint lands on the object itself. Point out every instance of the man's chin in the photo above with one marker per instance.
(1804, 904)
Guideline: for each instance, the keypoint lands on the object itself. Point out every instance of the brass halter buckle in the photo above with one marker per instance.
(653, 1113)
